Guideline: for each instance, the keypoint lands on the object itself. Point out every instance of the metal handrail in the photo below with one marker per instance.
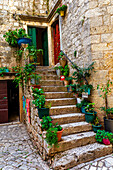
(74, 65)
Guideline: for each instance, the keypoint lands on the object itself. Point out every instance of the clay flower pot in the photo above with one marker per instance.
(106, 141)
(59, 134)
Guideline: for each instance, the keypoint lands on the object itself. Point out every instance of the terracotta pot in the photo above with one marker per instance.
(63, 62)
(36, 86)
(106, 141)
(62, 13)
(66, 82)
(59, 134)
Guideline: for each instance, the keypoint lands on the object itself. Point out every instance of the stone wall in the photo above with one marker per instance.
(7, 21)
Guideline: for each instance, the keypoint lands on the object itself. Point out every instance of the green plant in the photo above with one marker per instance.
(102, 134)
(61, 8)
(39, 101)
(105, 91)
(18, 55)
(12, 36)
(83, 103)
(3, 70)
(64, 71)
(36, 78)
(61, 56)
(96, 121)
(37, 92)
(89, 108)
(57, 127)
(19, 75)
(46, 122)
(75, 53)
(51, 136)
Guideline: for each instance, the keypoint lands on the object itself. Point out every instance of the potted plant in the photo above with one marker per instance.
(82, 105)
(64, 72)
(104, 137)
(35, 80)
(96, 125)
(3, 70)
(17, 37)
(108, 119)
(59, 131)
(90, 113)
(62, 59)
(61, 10)
(46, 122)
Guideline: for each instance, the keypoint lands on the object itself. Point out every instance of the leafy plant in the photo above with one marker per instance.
(96, 121)
(83, 103)
(36, 78)
(3, 70)
(12, 36)
(51, 136)
(18, 55)
(64, 71)
(89, 108)
(46, 122)
(58, 127)
(75, 53)
(37, 92)
(105, 90)
(61, 56)
(61, 8)
(40, 101)
(102, 134)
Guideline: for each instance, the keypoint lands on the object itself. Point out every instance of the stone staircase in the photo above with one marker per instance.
(78, 144)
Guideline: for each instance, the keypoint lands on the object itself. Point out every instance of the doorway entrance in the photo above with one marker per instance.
(56, 34)
(39, 38)
(9, 101)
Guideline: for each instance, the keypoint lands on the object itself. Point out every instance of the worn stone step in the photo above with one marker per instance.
(68, 118)
(76, 156)
(51, 82)
(61, 102)
(72, 141)
(49, 77)
(52, 95)
(72, 128)
(57, 110)
(54, 88)
(46, 71)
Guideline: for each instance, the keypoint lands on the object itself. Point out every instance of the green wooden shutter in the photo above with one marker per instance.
(32, 34)
(45, 48)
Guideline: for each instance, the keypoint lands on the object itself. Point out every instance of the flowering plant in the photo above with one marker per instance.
(61, 8)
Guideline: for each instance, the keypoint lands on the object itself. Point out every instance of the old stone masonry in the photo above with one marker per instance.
(17, 152)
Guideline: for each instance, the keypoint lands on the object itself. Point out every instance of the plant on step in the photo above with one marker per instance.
(89, 108)
(96, 125)
(61, 8)
(35, 78)
(51, 136)
(12, 35)
(36, 92)
(46, 122)
(58, 127)
(39, 101)
(18, 55)
(82, 105)
(102, 134)
(62, 59)
(3, 70)
(64, 71)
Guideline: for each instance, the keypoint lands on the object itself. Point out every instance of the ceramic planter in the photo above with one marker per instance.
(90, 117)
(43, 112)
(83, 109)
(95, 128)
(108, 124)
(23, 41)
(59, 135)
(63, 62)
(62, 13)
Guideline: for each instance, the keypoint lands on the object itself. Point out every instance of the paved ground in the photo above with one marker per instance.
(17, 152)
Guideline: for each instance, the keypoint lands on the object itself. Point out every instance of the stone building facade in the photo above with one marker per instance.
(86, 28)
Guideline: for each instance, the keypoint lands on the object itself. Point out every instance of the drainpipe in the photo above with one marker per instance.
(60, 27)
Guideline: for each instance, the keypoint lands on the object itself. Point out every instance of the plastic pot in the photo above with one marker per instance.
(90, 117)
(59, 135)
(95, 128)
(83, 109)
(43, 112)
(23, 41)
(108, 124)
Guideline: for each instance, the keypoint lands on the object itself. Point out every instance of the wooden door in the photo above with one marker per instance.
(56, 33)
(45, 48)
(3, 102)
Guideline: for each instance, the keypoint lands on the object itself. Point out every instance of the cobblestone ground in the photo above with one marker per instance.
(17, 151)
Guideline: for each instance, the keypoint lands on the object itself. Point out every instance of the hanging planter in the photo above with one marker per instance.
(24, 41)
(61, 10)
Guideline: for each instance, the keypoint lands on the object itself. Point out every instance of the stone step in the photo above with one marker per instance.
(52, 95)
(73, 157)
(68, 118)
(51, 82)
(46, 72)
(54, 88)
(61, 102)
(49, 77)
(72, 128)
(57, 110)
(72, 141)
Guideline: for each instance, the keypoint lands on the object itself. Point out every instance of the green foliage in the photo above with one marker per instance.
(96, 121)
(64, 71)
(46, 123)
(19, 75)
(108, 110)
(39, 101)
(51, 136)
(61, 56)
(89, 108)
(37, 92)
(18, 55)
(57, 127)
(83, 103)
(61, 8)
(102, 134)
(36, 77)
(12, 36)
(75, 53)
